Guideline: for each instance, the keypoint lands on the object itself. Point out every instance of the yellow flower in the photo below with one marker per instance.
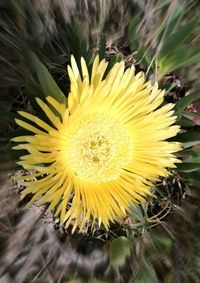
(101, 151)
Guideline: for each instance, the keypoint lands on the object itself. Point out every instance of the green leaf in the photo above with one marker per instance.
(77, 38)
(173, 18)
(32, 90)
(188, 167)
(161, 242)
(177, 38)
(186, 100)
(102, 48)
(119, 249)
(136, 212)
(193, 177)
(146, 274)
(169, 86)
(188, 139)
(192, 155)
(188, 119)
(195, 118)
(133, 34)
(50, 88)
(184, 122)
(182, 57)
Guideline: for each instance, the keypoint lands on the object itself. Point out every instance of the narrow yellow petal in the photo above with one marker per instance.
(94, 68)
(36, 120)
(74, 67)
(28, 127)
(61, 108)
(84, 70)
(52, 117)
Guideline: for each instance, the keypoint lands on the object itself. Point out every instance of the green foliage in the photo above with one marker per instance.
(193, 178)
(181, 57)
(119, 250)
(136, 44)
(102, 48)
(162, 243)
(99, 281)
(191, 160)
(146, 274)
(169, 45)
(186, 100)
(136, 212)
(189, 139)
(175, 51)
(49, 86)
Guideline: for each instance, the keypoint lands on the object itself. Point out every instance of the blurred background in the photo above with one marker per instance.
(160, 240)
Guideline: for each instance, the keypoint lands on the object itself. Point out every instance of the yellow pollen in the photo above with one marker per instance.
(98, 148)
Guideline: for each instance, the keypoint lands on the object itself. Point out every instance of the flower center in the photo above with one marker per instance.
(98, 148)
